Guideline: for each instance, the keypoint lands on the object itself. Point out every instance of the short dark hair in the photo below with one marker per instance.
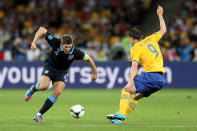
(67, 39)
(135, 33)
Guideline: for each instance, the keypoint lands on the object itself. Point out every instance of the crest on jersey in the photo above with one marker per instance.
(57, 52)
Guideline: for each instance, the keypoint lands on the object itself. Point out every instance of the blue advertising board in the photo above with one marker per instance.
(110, 74)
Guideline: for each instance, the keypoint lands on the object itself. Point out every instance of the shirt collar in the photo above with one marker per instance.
(71, 50)
(61, 49)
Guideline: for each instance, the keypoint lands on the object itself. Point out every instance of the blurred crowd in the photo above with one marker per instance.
(99, 27)
(180, 43)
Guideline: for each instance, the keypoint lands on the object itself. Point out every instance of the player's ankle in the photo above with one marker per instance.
(38, 113)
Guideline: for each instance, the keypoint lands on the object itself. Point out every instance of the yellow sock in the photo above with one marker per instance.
(124, 102)
(132, 104)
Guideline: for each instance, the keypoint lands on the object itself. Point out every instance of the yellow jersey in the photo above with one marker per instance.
(147, 52)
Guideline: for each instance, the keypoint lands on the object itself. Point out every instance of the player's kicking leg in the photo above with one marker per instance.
(42, 85)
(117, 118)
(58, 87)
(125, 102)
(31, 90)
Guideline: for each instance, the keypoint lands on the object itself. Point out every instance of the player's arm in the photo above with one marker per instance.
(135, 58)
(93, 66)
(41, 31)
(133, 71)
(130, 87)
(163, 28)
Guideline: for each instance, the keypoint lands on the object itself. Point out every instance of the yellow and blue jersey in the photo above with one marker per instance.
(147, 52)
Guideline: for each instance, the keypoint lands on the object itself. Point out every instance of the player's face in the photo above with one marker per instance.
(67, 48)
(132, 40)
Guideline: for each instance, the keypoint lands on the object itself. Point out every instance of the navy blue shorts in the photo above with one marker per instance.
(54, 74)
(149, 82)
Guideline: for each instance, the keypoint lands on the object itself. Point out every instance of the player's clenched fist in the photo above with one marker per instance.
(33, 46)
(94, 76)
(159, 10)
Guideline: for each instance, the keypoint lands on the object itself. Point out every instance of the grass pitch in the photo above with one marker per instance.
(166, 110)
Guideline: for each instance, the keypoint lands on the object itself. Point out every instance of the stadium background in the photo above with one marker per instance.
(100, 28)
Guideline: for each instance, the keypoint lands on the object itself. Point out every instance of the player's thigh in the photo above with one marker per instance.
(44, 82)
(58, 88)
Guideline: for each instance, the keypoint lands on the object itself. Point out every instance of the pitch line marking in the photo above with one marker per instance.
(110, 126)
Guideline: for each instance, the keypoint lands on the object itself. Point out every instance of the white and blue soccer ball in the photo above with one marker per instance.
(77, 111)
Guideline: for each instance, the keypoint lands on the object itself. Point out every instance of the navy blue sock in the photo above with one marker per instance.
(34, 88)
(48, 104)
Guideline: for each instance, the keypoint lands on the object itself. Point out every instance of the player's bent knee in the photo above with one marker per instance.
(57, 93)
(43, 87)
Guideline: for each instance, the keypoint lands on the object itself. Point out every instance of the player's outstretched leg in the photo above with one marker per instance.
(38, 117)
(46, 106)
(31, 90)
(132, 105)
(118, 118)
(124, 103)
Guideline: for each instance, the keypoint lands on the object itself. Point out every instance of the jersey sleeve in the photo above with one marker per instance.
(51, 39)
(157, 36)
(79, 55)
(134, 55)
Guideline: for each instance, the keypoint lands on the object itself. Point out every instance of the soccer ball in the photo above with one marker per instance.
(77, 111)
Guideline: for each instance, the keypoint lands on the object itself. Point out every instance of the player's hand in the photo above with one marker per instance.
(159, 10)
(130, 87)
(33, 46)
(94, 76)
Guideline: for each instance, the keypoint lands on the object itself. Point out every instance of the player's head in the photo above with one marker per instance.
(135, 35)
(67, 43)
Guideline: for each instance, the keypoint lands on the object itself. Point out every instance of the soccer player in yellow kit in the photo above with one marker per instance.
(147, 53)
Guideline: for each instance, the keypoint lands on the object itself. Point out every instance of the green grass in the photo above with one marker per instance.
(166, 110)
